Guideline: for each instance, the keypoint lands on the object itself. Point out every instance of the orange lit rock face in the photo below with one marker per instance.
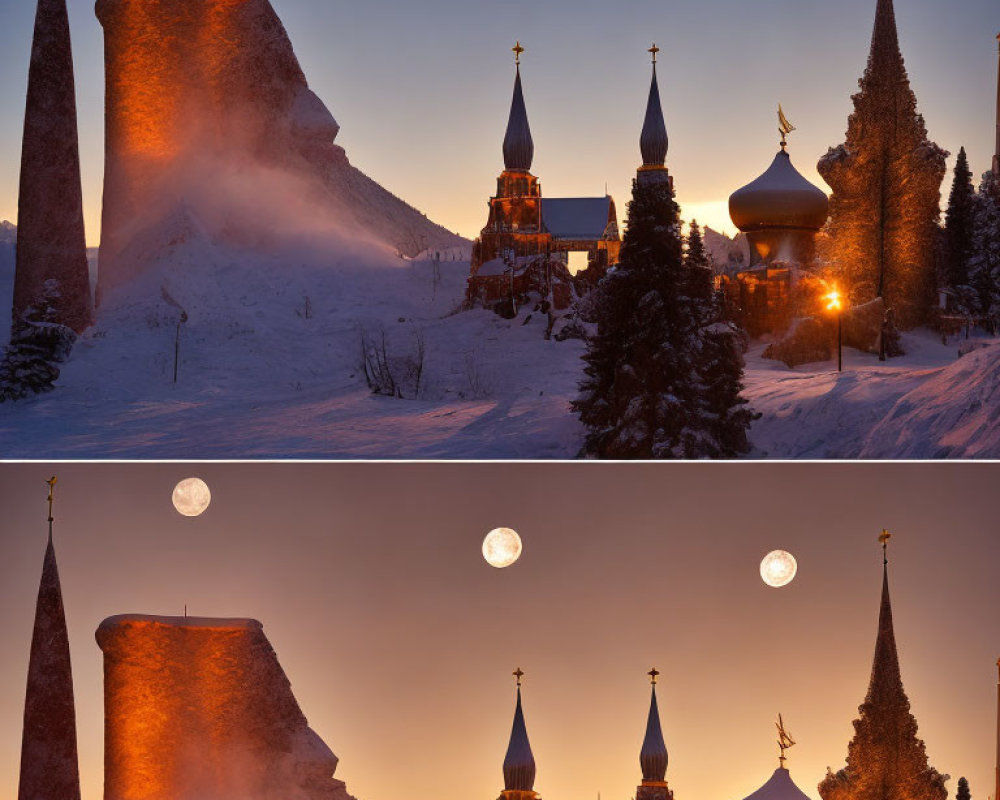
(202, 95)
(197, 709)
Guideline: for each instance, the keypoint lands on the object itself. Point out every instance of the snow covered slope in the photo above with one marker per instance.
(270, 367)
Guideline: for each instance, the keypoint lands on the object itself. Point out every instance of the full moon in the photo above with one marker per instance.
(501, 547)
(191, 497)
(778, 568)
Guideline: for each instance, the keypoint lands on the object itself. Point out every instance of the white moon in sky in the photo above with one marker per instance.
(778, 568)
(191, 497)
(501, 547)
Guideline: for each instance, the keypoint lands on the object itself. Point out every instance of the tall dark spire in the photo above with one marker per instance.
(653, 139)
(653, 756)
(518, 148)
(885, 759)
(49, 766)
(519, 763)
(996, 152)
(51, 249)
(885, 61)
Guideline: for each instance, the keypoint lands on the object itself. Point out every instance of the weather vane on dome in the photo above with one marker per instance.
(784, 740)
(784, 127)
(884, 538)
(654, 50)
(517, 53)
(517, 673)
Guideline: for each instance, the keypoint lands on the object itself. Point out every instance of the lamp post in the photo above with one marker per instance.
(833, 303)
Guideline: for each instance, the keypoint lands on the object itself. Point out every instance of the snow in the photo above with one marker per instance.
(265, 374)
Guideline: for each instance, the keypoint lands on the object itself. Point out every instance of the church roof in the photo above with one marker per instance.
(779, 786)
(576, 217)
(780, 198)
(518, 147)
(519, 763)
(653, 756)
(653, 139)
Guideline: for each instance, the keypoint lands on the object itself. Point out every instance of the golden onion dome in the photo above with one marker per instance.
(780, 198)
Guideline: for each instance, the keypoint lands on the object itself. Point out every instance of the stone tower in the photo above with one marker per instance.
(51, 248)
(49, 767)
(653, 755)
(885, 759)
(886, 181)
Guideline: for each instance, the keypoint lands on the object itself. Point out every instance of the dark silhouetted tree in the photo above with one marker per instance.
(984, 260)
(657, 369)
(959, 223)
(886, 181)
(963, 790)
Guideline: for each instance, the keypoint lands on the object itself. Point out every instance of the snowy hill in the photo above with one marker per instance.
(270, 366)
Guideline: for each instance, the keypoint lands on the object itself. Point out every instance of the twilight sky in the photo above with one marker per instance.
(399, 640)
(422, 90)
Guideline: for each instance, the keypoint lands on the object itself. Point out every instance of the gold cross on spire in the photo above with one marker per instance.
(517, 52)
(884, 538)
(517, 673)
(654, 50)
(652, 675)
(52, 485)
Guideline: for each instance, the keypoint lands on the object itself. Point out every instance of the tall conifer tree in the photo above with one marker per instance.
(959, 223)
(659, 380)
(886, 180)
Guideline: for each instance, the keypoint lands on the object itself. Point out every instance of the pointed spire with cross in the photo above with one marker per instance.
(518, 674)
(52, 485)
(652, 675)
(884, 538)
(517, 50)
(654, 50)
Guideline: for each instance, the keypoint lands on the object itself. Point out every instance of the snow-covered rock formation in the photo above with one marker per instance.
(209, 119)
(200, 708)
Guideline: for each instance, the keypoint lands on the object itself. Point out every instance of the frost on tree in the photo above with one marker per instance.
(886, 180)
(49, 767)
(210, 125)
(50, 238)
(885, 759)
(200, 708)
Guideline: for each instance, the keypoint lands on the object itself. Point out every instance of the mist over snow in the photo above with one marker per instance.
(270, 365)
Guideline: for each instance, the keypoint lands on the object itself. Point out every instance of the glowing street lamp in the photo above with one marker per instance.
(834, 303)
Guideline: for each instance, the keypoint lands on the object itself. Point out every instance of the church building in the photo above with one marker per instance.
(525, 244)
(780, 212)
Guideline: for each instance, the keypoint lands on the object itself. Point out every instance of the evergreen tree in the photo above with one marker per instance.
(963, 790)
(984, 261)
(958, 224)
(37, 343)
(659, 366)
(695, 256)
(886, 181)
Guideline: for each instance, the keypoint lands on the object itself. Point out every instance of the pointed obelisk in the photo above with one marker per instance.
(51, 248)
(519, 762)
(653, 755)
(996, 152)
(885, 759)
(653, 141)
(49, 766)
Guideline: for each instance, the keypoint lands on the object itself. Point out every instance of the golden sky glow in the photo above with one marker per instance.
(398, 637)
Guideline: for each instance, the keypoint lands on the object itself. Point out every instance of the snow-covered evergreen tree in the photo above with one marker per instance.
(659, 380)
(984, 261)
(37, 344)
(958, 224)
(886, 180)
